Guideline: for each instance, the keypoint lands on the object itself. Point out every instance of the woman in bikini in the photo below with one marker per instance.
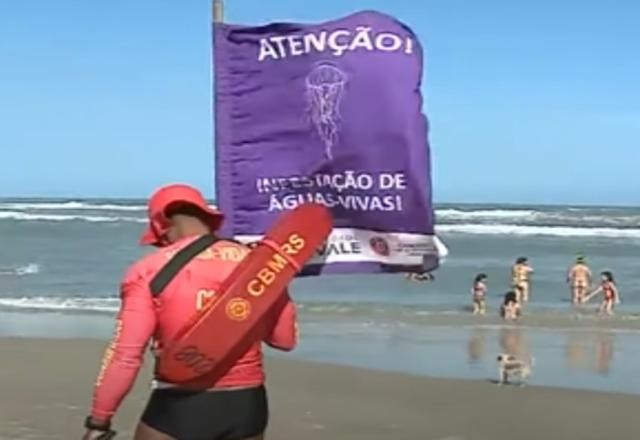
(520, 273)
(609, 291)
(478, 293)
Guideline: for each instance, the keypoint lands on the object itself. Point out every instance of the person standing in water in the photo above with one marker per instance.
(510, 309)
(520, 279)
(479, 293)
(235, 406)
(579, 279)
(610, 292)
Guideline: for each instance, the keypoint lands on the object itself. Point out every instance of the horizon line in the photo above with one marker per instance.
(435, 203)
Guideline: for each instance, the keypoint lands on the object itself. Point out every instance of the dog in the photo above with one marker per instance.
(510, 367)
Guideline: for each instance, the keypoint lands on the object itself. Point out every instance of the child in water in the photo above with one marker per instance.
(510, 309)
(610, 292)
(478, 293)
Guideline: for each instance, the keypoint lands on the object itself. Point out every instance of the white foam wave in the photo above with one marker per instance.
(62, 304)
(76, 206)
(552, 231)
(27, 269)
(590, 217)
(23, 216)
(72, 206)
(457, 214)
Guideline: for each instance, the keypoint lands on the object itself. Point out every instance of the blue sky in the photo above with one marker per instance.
(534, 101)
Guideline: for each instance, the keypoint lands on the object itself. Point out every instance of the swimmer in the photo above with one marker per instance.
(478, 294)
(609, 291)
(510, 309)
(579, 279)
(520, 282)
(423, 276)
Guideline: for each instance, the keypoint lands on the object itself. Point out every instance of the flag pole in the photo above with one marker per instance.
(218, 11)
(217, 16)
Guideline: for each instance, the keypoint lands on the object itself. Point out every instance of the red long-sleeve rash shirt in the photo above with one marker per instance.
(143, 318)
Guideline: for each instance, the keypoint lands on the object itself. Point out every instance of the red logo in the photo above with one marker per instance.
(379, 246)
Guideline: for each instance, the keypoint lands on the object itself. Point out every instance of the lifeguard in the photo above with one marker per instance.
(236, 404)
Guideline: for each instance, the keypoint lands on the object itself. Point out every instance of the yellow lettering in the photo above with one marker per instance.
(207, 254)
(293, 245)
(238, 254)
(109, 352)
(277, 263)
(266, 276)
(297, 242)
(255, 288)
(227, 254)
(224, 253)
(203, 297)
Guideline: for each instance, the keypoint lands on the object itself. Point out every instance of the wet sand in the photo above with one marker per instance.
(46, 387)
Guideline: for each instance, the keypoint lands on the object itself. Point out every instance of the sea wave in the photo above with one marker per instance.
(24, 216)
(27, 269)
(111, 211)
(62, 304)
(550, 231)
(544, 221)
(366, 314)
(72, 206)
(452, 228)
(97, 304)
(455, 214)
(111, 304)
(592, 217)
(449, 213)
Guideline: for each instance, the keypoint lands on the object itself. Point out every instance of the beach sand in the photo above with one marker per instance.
(46, 387)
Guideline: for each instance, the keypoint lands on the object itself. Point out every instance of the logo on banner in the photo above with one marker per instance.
(380, 246)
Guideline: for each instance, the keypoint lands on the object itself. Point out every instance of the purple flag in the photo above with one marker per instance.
(330, 113)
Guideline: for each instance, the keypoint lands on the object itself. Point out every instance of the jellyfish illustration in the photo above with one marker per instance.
(325, 86)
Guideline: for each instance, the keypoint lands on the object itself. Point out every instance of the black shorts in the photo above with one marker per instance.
(208, 415)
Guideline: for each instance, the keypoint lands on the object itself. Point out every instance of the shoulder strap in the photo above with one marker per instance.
(168, 272)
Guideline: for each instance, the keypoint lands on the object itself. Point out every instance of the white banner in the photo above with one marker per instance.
(348, 245)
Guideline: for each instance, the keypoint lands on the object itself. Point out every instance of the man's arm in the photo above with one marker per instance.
(592, 294)
(122, 360)
(283, 330)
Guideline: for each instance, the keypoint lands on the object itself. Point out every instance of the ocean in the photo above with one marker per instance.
(61, 262)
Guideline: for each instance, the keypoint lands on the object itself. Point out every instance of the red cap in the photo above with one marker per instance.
(160, 201)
